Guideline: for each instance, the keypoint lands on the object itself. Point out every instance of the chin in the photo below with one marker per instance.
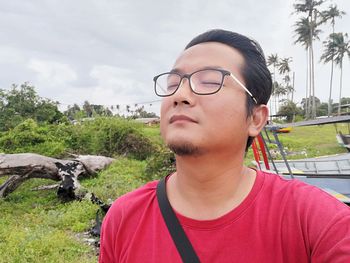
(184, 149)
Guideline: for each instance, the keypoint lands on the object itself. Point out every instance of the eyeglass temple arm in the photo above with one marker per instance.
(244, 87)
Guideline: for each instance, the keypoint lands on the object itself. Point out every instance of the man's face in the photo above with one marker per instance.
(199, 124)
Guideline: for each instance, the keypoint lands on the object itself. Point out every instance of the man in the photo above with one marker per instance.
(214, 103)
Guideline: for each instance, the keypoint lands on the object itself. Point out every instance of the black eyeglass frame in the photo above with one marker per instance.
(188, 76)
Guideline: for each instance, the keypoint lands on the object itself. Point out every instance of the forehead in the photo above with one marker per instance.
(209, 54)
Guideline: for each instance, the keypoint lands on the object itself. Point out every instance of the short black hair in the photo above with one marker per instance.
(255, 73)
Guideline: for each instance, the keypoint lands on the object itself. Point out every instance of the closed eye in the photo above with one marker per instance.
(210, 83)
(172, 86)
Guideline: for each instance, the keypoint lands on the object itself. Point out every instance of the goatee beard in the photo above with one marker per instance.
(184, 149)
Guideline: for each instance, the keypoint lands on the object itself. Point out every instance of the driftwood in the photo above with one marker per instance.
(24, 166)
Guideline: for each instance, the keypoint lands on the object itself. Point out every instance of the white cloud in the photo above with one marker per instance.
(10, 55)
(115, 85)
(108, 51)
(52, 73)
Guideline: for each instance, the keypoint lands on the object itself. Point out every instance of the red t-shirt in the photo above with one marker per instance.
(279, 221)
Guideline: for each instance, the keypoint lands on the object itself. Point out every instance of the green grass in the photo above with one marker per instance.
(36, 227)
(308, 142)
(121, 177)
(313, 140)
(153, 132)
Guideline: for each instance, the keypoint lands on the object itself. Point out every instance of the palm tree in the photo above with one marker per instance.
(284, 69)
(331, 14)
(288, 88)
(306, 30)
(336, 47)
(302, 32)
(273, 60)
(279, 91)
(283, 65)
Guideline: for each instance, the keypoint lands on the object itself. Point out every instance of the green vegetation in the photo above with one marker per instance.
(22, 102)
(313, 140)
(35, 226)
(101, 136)
(308, 142)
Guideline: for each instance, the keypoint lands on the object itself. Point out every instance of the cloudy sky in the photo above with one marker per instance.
(107, 52)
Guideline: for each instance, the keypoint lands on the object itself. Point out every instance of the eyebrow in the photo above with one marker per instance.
(179, 71)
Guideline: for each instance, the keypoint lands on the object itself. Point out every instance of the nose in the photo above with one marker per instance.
(184, 94)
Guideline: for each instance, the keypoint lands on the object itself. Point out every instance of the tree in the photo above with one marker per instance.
(72, 111)
(335, 48)
(284, 69)
(279, 91)
(272, 60)
(22, 102)
(306, 32)
(100, 110)
(322, 109)
(289, 109)
(284, 65)
(140, 112)
(47, 111)
(306, 101)
(345, 100)
(331, 14)
(87, 107)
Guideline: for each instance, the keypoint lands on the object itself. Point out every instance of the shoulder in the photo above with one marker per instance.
(123, 217)
(322, 220)
(298, 191)
(321, 217)
(134, 199)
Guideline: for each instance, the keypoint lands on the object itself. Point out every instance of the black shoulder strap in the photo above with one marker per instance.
(180, 239)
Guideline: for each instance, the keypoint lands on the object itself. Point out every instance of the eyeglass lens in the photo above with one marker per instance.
(202, 82)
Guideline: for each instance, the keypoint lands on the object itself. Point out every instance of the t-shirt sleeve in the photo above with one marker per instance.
(109, 231)
(328, 227)
(333, 244)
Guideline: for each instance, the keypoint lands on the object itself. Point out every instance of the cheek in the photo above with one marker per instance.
(163, 116)
(165, 106)
(228, 110)
(230, 117)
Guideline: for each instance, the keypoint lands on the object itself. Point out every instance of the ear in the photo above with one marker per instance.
(258, 120)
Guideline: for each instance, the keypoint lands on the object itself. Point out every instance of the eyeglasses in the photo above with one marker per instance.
(202, 82)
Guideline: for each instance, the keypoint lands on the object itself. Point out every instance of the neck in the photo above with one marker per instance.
(206, 187)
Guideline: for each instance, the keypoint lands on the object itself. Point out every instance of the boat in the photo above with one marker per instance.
(330, 173)
(284, 130)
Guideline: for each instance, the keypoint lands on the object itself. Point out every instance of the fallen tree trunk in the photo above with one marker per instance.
(23, 166)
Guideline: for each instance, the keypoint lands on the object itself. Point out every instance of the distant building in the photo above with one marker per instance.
(148, 121)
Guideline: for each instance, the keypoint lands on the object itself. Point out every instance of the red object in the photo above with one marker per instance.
(279, 221)
(258, 147)
(256, 153)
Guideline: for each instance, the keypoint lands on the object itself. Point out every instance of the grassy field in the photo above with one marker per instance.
(310, 141)
(36, 227)
(314, 140)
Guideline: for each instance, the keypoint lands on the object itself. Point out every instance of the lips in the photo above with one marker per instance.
(176, 118)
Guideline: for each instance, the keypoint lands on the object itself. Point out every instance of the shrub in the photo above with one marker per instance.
(111, 136)
(160, 164)
(29, 137)
(102, 136)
